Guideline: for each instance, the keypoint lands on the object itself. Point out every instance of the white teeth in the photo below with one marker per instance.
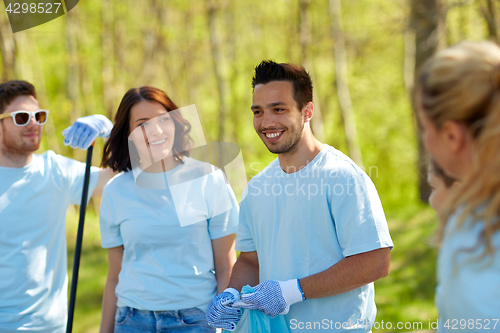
(273, 135)
(154, 143)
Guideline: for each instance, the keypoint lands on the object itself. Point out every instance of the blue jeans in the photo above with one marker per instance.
(130, 320)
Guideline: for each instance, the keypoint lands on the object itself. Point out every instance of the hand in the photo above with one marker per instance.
(85, 130)
(273, 298)
(220, 314)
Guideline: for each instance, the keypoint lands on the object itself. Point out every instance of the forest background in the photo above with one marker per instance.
(362, 56)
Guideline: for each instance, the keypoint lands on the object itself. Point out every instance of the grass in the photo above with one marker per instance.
(92, 274)
(406, 295)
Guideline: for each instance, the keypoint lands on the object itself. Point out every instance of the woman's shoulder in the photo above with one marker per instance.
(464, 231)
(119, 181)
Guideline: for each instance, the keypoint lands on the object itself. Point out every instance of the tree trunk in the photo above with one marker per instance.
(33, 71)
(8, 49)
(73, 83)
(317, 123)
(489, 14)
(409, 61)
(87, 93)
(427, 21)
(108, 53)
(153, 39)
(232, 75)
(218, 65)
(342, 84)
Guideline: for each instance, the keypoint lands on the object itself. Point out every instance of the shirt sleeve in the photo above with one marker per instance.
(359, 219)
(223, 207)
(73, 173)
(110, 227)
(244, 239)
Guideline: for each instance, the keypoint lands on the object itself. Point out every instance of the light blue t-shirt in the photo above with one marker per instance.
(33, 254)
(304, 222)
(167, 260)
(468, 290)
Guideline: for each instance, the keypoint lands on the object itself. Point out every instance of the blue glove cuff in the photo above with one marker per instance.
(300, 289)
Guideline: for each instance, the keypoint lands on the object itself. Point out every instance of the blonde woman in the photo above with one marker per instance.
(458, 103)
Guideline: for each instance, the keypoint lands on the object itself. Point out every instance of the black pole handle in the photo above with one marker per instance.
(79, 240)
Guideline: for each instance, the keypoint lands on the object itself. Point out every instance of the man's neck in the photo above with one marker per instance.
(299, 157)
(14, 160)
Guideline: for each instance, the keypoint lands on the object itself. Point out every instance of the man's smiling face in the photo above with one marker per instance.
(277, 118)
(20, 140)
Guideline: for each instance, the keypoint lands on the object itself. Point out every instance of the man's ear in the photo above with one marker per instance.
(308, 112)
(455, 135)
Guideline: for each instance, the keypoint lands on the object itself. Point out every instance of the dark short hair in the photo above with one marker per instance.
(11, 89)
(438, 171)
(116, 154)
(268, 71)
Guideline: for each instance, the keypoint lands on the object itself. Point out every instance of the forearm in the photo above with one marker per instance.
(223, 277)
(348, 274)
(108, 308)
(109, 299)
(224, 259)
(244, 272)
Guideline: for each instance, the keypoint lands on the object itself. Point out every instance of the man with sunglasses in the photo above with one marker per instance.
(35, 192)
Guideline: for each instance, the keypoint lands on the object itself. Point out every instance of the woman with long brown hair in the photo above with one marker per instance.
(458, 104)
(162, 250)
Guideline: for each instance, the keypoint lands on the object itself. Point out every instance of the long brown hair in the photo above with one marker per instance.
(116, 153)
(462, 84)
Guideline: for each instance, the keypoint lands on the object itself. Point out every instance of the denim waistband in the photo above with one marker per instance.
(173, 313)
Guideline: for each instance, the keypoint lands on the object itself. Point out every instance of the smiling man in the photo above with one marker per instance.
(35, 192)
(313, 236)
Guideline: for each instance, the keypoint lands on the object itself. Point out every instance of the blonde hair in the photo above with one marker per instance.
(462, 84)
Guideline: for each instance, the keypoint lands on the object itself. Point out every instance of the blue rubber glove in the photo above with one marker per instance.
(220, 314)
(273, 298)
(85, 130)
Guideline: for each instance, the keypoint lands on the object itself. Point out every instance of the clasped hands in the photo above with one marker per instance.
(271, 297)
